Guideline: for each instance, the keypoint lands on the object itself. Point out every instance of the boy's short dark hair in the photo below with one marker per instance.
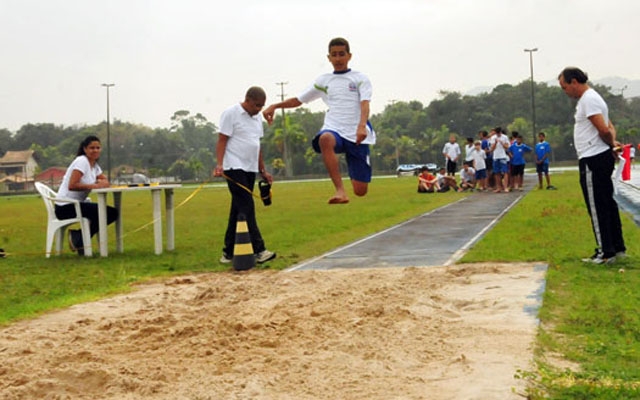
(339, 42)
(543, 134)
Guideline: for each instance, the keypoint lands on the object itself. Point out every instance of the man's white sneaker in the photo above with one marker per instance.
(264, 256)
(225, 259)
(599, 258)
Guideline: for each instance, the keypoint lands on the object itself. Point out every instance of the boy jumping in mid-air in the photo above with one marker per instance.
(346, 129)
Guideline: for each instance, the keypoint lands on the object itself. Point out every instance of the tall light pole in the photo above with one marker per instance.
(108, 85)
(288, 168)
(533, 99)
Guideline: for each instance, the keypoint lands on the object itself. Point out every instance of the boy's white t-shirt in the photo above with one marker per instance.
(499, 153)
(89, 176)
(342, 93)
(452, 150)
(468, 148)
(479, 157)
(468, 174)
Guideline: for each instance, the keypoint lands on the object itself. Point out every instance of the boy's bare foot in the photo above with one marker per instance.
(338, 200)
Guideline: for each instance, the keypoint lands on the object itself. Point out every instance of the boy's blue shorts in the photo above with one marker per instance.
(500, 166)
(358, 159)
(542, 168)
(481, 174)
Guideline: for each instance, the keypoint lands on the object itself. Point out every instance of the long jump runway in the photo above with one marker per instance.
(437, 238)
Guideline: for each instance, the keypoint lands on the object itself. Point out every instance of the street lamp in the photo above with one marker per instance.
(288, 167)
(108, 85)
(533, 101)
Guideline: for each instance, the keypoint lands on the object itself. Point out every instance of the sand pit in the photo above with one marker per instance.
(407, 333)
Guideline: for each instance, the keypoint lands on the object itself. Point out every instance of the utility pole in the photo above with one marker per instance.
(285, 147)
(533, 98)
(108, 85)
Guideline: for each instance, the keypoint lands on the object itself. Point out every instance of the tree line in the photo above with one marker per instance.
(408, 132)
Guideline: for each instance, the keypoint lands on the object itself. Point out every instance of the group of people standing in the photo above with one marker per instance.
(492, 161)
(594, 137)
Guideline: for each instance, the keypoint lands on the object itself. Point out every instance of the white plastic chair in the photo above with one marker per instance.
(56, 227)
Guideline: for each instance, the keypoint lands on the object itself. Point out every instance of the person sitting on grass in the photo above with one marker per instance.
(467, 178)
(445, 181)
(427, 182)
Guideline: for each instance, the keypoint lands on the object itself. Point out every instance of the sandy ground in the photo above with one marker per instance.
(460, 332)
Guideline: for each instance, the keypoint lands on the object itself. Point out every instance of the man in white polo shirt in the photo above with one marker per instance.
(594, 137)
(346, 128)
(239, 160)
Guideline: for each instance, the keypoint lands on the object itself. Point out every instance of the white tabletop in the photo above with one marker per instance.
(116, 188)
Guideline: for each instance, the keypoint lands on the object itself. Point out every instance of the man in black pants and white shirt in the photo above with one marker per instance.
(594, 137)
(240, 160)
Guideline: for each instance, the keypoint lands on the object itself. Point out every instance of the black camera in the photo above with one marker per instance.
(265, 192)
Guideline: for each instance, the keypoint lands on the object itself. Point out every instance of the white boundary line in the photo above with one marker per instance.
(312, 260)
(463, 250)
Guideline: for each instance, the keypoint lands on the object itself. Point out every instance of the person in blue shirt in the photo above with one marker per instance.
(484, 137)
(516, 151)
(543, 150)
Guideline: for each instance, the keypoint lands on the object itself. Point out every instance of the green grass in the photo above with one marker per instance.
(590, 313)
(298, 225)
(589, 317)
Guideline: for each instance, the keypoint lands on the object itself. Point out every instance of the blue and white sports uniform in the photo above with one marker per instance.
(343, 93)
(543, 148)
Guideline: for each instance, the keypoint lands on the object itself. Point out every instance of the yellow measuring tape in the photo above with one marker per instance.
(246, 188)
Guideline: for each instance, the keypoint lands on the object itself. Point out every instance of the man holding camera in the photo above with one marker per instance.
(239, 160)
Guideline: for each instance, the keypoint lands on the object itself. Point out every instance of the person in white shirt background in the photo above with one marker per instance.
(498, 145)
(451, 152)
(83, 175)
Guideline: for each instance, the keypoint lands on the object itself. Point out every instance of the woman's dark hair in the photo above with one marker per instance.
(85, 143)
(571, 73)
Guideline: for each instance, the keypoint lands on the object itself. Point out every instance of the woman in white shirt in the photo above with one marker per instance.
(83, 175)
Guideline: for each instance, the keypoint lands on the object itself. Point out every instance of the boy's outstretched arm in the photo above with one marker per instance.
(288, 103)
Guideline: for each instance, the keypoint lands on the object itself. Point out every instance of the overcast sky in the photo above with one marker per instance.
(202, 55)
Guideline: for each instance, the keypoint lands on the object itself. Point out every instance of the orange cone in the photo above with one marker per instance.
(243, 256)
